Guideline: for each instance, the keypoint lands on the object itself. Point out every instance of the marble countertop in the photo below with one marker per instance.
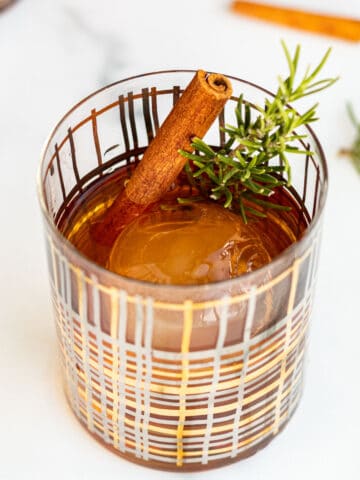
(52, 53)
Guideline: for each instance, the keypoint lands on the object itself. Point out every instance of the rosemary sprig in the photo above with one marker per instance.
(242, 174)
(354, 151)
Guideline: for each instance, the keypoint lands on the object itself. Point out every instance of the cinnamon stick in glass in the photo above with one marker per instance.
(340, 27)
(192, 116)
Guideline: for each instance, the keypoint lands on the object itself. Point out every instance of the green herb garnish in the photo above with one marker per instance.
(354, 151)
(240, 174)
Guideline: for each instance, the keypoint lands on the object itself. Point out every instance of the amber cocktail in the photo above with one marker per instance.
(196, 372)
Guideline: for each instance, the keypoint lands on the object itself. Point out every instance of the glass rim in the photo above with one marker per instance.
(246, 277)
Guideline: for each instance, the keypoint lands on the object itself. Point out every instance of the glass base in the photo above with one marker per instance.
(194, 467)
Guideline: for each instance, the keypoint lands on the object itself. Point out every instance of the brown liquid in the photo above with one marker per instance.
(181, 244)
(195, 243)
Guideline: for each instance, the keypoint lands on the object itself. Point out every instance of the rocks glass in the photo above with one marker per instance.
(174, 377)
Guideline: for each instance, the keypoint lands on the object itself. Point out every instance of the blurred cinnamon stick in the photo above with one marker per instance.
(5, 3)
(339, 27)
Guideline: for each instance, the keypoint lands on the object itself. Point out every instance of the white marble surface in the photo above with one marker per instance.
(52, 53)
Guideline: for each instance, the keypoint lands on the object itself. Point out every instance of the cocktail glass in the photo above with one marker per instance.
(174, 377)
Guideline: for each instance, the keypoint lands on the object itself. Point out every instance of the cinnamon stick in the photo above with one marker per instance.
(5, 3)
(335, 26)
(193, 114)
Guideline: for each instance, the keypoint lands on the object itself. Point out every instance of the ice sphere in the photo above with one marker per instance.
(189, 244)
